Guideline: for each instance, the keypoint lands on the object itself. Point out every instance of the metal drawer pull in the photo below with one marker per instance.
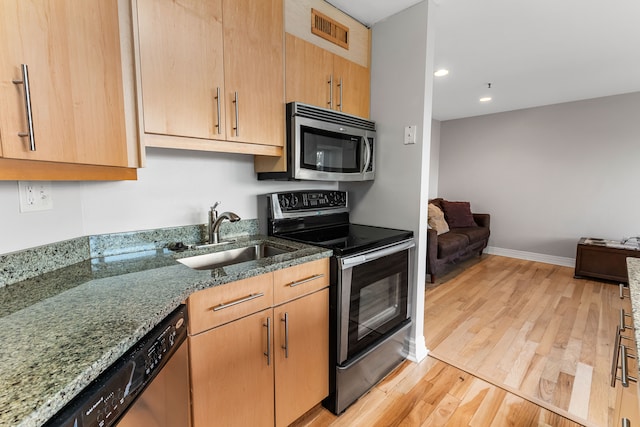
(27, 101)
(623, 326)
(330, 91)
(622, 294)
(308, 279)
(340, 86)
(268, 353)
(623, 366)
(285, 347)
(219, 125)
(626, 422)
(238, 301)
(237, 128)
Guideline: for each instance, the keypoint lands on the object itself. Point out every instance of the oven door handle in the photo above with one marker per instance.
(346, 263)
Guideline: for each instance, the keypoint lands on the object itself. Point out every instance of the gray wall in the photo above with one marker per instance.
(175, 188)
(548, 175)
(401, 87)
(434, 161)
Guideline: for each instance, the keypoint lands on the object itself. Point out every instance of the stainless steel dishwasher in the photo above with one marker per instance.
(147, 387)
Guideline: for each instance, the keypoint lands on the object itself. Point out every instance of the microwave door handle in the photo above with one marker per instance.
(367, 152)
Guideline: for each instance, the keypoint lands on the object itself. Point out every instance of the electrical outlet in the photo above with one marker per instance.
(35, 196)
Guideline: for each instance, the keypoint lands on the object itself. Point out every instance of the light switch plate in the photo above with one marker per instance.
(410, 134)
(35, 196)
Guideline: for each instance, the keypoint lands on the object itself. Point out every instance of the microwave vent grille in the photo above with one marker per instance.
(336, 117)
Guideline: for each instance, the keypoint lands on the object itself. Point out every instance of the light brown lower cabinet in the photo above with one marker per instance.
(627, 408)
(263, 366)
(302, 360)
(231, 382)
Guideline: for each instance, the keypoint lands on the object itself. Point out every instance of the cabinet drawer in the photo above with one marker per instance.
(299, 280)
(215, 306)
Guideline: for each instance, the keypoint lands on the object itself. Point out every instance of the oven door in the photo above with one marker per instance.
(373, 298)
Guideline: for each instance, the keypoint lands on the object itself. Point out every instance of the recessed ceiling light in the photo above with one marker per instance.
(485, 99)
(440, 73)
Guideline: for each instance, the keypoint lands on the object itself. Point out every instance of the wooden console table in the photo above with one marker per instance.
(594, 258)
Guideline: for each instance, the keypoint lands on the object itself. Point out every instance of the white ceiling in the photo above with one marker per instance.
(533, 52)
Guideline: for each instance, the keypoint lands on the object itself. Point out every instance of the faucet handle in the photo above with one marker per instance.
(215, 205)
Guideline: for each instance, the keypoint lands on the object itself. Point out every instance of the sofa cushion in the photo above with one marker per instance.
(458, 214)
(475, 234)
(436, 219)
(450, 243)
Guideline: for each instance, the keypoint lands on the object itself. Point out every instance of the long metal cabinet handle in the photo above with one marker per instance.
(238, 301)
(616, 355)
(285, 347)
(340, 86)
(330, 91)
(237, 128)
(625, 377)
(626, 422)
(268, 353)
(27, 101)
(308, 279)
(219, 125)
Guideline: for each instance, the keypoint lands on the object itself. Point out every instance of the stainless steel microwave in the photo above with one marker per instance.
(326, 145)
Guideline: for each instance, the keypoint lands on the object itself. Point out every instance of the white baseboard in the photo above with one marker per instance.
(417, 349)
(531, 256)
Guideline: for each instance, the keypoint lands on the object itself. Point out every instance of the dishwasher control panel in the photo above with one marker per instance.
(103, 402)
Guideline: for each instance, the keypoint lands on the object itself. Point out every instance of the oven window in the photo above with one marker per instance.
(378, 300)
(329, 151)
(379, 303)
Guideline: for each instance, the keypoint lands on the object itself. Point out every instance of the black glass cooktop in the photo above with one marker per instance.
(347, 239)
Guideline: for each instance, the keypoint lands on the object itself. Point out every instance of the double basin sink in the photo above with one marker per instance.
(223, 258)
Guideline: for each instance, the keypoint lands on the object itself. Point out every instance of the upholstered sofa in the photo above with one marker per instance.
(455, 234)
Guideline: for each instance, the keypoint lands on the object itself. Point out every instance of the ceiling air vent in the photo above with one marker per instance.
(328, 29)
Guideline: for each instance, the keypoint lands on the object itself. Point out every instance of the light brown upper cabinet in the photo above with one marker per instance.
(62, 86)
(211, 75)
(318, 77)
(328, 55)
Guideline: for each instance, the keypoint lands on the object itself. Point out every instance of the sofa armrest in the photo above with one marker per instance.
(432, 244)
(483, 220)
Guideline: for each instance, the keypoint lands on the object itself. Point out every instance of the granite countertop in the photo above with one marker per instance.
(633, 269)
(59, 330)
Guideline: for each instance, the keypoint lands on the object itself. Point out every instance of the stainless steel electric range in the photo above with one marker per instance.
(369, 292)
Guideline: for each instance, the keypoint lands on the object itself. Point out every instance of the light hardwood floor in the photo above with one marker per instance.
(513, 343)
(532, 329)
(433, 393)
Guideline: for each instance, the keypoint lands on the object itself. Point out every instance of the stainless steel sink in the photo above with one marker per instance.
(233, 256)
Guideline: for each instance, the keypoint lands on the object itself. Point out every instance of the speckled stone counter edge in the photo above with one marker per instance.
(22, 265)
(633, 269)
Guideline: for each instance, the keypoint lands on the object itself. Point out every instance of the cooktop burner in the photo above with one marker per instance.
(321, 218)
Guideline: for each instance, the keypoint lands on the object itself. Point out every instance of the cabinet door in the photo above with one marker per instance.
(231, 381)
(301, 370)
(72, 50)
(181, 67)
(308, 72)
(354, 95)
(253, 66)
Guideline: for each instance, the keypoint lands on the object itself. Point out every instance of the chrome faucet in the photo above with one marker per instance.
(216, 220)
